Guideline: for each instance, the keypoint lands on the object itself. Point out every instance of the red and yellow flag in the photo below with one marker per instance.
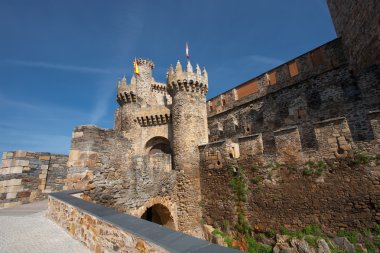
(136, 67)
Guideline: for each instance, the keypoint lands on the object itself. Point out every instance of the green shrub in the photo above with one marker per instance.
(321, 164)
(370, 247)
(377, 241)
(238, 186)
(361, 159)
(352, 236)
(255, 247)
(377, 159)
(261, 236)
(228, 240)
(312, 230)
(307, 172)
(284, 231)
(270, 233)
(242, 225)
(226, 225)
(376, 229)
(319, 171)
(311, 240)
(218, 232)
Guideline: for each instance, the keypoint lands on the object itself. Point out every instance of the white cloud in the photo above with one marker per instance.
(263, 59)
(58, 66)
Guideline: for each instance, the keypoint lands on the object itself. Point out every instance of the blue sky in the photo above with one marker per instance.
(60, 60)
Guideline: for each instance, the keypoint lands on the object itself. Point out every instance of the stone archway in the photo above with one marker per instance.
(159, 154)
(159, 214)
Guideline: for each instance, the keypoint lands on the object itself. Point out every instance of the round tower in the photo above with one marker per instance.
(134, 96)
(189, 130)
(125, 115)
(144, 80)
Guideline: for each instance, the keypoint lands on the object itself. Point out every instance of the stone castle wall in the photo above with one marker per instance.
(294, 187)
(29, 176)
(357, 22)
(329, 94)
(117, 170)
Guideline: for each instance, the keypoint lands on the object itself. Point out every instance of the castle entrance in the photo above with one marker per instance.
(159, 152)
(159, 214)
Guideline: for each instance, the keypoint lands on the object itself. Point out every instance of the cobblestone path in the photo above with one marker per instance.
(26, 229)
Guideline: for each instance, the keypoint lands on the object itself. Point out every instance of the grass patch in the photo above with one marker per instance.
(312, 230)
(270, 233)
(307, 172)
(377, 159)
(370, 247)
(256, 179)
(352, 236)
(316, 168)
(255, 247)
(311, 240)
(361, 159)
(227, 239)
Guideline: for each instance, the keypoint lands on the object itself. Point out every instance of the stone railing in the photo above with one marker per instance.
(103, 229)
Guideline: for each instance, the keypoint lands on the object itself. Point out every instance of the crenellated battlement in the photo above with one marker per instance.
(156, 87)
(145, 62)
(187, 80)
(126, 93)
(333, 137)
(153, 116)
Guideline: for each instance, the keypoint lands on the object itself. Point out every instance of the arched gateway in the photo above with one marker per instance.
(159, 214)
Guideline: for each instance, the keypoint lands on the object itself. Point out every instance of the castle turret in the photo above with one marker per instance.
(126, 97)
(189, 129)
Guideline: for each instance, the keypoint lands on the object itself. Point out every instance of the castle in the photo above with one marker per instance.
(171, 155)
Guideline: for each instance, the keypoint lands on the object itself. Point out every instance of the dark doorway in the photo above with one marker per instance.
(159, 214)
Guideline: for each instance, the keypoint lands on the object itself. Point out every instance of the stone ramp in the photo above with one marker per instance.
(26, 229)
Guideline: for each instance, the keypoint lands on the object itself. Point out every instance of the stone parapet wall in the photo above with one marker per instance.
(333, 140)
(95, 233)
(29, 176)
(103, 229)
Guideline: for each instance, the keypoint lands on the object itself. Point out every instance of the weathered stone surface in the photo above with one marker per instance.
(323, 247)
(301, 246)
(97, 235)
(344, 244)
(24, 176)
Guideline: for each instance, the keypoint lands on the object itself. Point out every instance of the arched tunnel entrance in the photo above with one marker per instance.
(159, 214)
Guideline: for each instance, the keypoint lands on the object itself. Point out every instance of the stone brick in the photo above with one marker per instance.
(15, 170)
(20, 154)
(11, 195)
(44, 158)
(16, 189)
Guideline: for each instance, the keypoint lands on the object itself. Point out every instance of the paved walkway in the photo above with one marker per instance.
(26, 229)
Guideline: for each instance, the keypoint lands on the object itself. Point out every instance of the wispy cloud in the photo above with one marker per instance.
(262, 59)
(58, 66)
(22, 106)
(103, 99)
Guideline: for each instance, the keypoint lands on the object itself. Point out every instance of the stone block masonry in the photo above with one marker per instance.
(103, 229)
(295, 187)
(29, 176)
